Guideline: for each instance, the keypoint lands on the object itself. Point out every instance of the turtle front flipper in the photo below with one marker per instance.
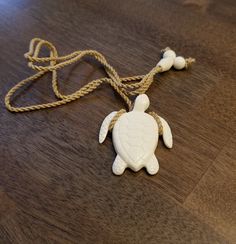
(105, 126)
(164, 130)
(166, 133)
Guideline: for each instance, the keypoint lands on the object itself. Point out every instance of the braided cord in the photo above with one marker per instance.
(115, 118)
(125, 87)
(156, 117)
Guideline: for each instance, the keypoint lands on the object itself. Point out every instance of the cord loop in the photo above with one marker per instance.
(137, 84)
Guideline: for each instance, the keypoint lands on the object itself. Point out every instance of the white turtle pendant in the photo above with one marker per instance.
(135, 138)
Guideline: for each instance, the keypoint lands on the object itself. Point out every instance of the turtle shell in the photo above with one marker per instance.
(135, 137)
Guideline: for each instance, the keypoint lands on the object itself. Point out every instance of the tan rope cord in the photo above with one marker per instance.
(156, 117)
(115, 118)
(137, 84)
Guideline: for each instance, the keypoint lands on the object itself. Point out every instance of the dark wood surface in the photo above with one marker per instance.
(56, 184)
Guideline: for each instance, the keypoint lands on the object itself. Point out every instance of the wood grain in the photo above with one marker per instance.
(214, 197)
(56, 184)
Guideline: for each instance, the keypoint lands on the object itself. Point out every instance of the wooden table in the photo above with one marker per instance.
(56, 184)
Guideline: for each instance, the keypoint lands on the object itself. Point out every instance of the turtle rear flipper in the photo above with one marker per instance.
(152, 165)
(119, 166)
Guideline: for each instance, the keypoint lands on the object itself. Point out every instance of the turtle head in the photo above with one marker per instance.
(141, 103)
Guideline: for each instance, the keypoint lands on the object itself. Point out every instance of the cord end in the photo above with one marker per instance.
(189, 62)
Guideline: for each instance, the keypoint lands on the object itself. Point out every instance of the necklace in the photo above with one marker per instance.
(135, 133)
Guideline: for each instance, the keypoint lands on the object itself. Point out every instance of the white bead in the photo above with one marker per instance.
(179, 63)
(169, 54)
(165, 63)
